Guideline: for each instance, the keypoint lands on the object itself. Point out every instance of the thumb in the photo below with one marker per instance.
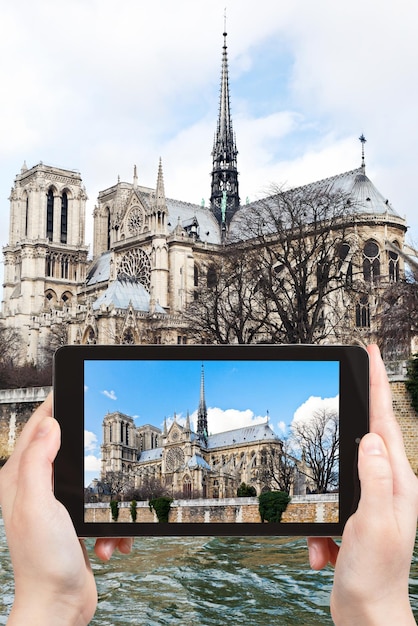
(35, 467)
(376, 478)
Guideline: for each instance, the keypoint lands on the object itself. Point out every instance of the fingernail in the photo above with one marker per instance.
(373, 445)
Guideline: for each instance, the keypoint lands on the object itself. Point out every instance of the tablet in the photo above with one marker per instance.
(208, 439)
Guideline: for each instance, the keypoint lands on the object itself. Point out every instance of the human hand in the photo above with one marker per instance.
(54, 583)
(373, 563)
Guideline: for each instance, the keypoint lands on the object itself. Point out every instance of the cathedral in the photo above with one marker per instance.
(192, 464)
(151, 253)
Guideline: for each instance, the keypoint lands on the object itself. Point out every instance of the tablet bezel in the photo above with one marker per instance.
(69, 411)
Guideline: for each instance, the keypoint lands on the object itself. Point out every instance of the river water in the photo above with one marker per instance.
(206, 581)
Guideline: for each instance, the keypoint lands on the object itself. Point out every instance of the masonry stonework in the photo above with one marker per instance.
(16, 406)
(407, 418)
(314, 509)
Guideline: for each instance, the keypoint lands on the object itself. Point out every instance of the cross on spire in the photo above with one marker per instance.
(362, 140)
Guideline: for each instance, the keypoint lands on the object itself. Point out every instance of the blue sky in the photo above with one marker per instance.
(100, 85)
(237, 393)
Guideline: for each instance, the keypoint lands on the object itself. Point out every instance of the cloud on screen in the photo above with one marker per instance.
(109, 394)
(307, 410)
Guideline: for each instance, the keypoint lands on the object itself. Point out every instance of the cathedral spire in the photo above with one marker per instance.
(159, 191)
(202, 414)
(224, 197)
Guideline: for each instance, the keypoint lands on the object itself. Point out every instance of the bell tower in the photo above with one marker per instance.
(45, 259)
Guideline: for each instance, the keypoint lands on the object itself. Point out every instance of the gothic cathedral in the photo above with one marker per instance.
(150, 252)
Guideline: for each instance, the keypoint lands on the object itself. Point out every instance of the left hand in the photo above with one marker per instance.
(54, 583)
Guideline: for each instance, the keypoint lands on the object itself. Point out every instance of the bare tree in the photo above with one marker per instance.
(300, 241)
(116, 483)
(56, 338)
(278, 468)
(228, 305)
(10, 346)
(149, 488)
(398, 319)
(318, 440)
(285, 277)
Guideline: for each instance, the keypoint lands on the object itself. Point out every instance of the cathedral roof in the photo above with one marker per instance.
(100, 269)
(364, 197)
(184, 212)
(122, 293)
(363, 194)
(247, 434)
(198, 461)
(150, 455)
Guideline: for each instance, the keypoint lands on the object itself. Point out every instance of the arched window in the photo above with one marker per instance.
(108, 229)
(64, 266)
(343, 251)
(211, 278)
(393, 266)
(27, 216)
(50, 214)
(89, 336)
(363, 313)
(371, 261)
(187, 487)
(64, 218)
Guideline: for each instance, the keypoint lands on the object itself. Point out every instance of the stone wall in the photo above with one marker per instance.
(16, 406)
(319, 508)
(407, 418)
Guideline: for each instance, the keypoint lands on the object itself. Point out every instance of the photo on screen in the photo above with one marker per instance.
(202, 436)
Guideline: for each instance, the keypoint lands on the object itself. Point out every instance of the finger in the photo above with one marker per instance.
(376, 478)
(35, 467)
(105, 546)
(322, 550)
(125, 545)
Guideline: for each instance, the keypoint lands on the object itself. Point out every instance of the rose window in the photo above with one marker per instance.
(135, 220)
(135, 264)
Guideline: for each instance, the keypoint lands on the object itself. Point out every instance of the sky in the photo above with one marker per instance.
(102, 85)
(237, 394)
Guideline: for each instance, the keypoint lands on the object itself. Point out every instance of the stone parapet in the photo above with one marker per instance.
(315, 508)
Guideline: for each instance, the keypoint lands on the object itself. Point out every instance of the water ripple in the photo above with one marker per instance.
(195, 581)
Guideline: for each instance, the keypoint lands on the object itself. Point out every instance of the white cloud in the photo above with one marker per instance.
(282, 428)
(109, 394)
(307, 410)
(335, 75)
(91, 463)
(90, 441)
(221, 420)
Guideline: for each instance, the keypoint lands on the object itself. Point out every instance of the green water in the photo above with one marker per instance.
(205, 582)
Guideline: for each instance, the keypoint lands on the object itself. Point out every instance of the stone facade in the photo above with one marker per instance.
(16, 407)
(151, 254)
